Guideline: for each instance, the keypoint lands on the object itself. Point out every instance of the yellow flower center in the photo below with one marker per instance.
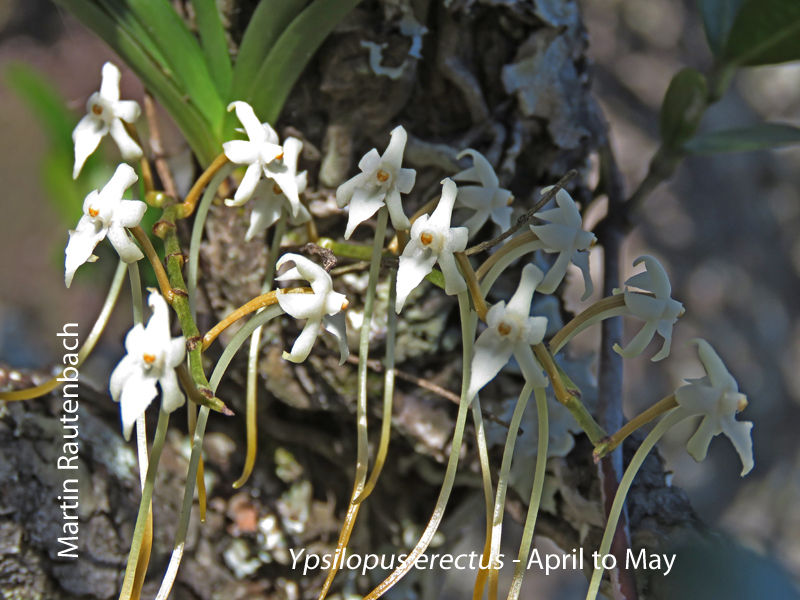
(279, 157)
(93, 212)
(149, 358)
(97, 109)
(345, 304)
(276, 189)
(382, 176)
(426, 238)
(504, 328)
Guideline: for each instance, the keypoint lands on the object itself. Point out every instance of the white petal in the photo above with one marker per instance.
(501, 215)
(171, 394)
(555, 274)
(370, 161)
(127, 249)
(453, 280)
(345, 191)
(287, 181)
(137, 394)
(639, 342)
(659, 281)
(490, 355)
(644, 307)
(457, 238)
(247, 117)
(304, 342)
(697, 398)
(136, 340)
(440, 217)
(738, 432)
(529, 366)
(697, 446)
(109, 84)
(265, 212)
(82, 242)
(247, 186)
(129, 213)
(395, 206)
(241, 152)
(718, 374)
(581, 260)
(481, 170)
(404, 180)
(520, 303)
(302, 306)
(663, 328)
(555, 237)
(128, 148)
(309, 270)
(335, 324)
(123, 178)
(86, 136)
(126, 368)
(127, 110)
(362, 206)
(396, 147)
(292, 147)
(415, 263)
(175, 352)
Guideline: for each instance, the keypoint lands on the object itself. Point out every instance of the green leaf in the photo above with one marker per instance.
(183, 55)
(684, 104)
(718, 17)
(758, 137)
(215, 44)
(765, 32)
(270, 18)
(195, 128)
(291, 53)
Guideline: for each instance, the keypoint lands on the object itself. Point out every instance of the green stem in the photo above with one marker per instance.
(252, 361)
(487, 280)
(536, 495)
(362, 452)
(483, 457)
(193, 265)
(468, 324)
(638, 459)
(388, 391)
(166, 229)
(502, 480)
(186, 507)
(144, 505)
(136, 293)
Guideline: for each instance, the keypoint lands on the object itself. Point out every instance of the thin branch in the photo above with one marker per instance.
(525, 219)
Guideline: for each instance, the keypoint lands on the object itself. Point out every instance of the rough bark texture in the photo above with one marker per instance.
(509, 79)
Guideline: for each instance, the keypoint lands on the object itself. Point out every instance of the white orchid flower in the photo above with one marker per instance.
(322, 308)
(269, 199)
(105, 213)
(105, 113)
(564, 233)
(151, 358)
(262, 154)
(659, 311)
(380, 182)
(511, 330)
(488, 199)
(433, 240)
(718, 399)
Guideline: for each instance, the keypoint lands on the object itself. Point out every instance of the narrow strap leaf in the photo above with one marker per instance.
(269, 19)
(292, 52)
(214, 43)
(183, 56)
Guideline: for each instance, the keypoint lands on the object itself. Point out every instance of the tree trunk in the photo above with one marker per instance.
(508, 79)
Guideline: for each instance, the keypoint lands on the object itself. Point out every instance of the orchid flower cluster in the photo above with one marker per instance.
(427, 245)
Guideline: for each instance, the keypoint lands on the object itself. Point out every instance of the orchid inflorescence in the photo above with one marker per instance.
(428, 245)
